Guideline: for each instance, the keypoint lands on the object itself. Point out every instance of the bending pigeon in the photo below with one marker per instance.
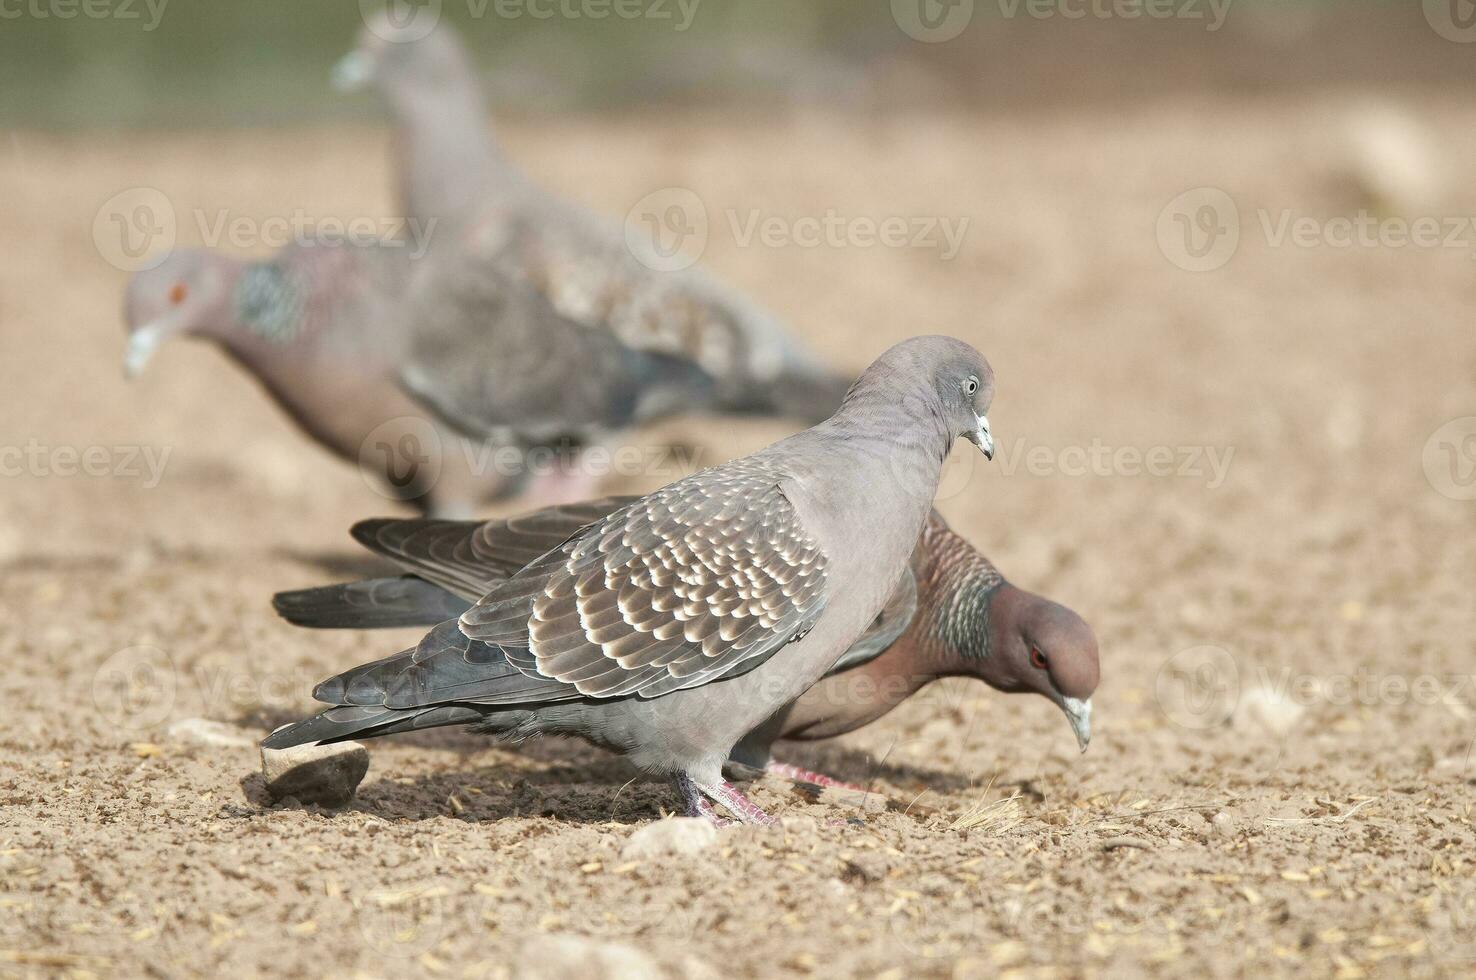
(417, 368)
(961, 620)
(952, 615)
(453, 174)
(675, 625)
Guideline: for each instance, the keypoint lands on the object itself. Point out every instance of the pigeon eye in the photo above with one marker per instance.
(177, 293)
(1037, 659)
(970, 386)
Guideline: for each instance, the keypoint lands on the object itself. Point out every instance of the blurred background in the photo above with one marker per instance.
(171, 63)
(1233, 237)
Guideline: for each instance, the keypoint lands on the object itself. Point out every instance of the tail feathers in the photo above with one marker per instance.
(372, 604)
(344, 722)
(804, 395)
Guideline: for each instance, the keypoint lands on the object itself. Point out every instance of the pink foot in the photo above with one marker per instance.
(814, 778)
(699, 800)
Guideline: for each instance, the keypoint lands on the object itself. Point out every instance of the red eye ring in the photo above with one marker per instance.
(1037, 659)
(177, 293)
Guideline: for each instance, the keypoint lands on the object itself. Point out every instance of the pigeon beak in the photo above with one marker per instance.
(352, 72)
(983, 438)
(141, 346)
(1079, 713)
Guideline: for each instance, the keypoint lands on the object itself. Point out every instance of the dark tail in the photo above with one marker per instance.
(348, 721)
(448, 679)
(802, 394)
(371, 604)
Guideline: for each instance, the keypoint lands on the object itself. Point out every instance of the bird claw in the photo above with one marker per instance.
(799, 775)
(700, 798)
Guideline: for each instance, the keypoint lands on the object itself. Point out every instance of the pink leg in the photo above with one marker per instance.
(814, 778)
(566, 482)
(699, 800)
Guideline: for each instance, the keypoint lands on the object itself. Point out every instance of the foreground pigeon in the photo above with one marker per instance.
(418, 368)
(952, 615)
(454, 177)
(678, 623)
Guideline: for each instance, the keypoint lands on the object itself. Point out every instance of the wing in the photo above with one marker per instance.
(890, 623)
(706, 577)
(491, 357)
(470, 558)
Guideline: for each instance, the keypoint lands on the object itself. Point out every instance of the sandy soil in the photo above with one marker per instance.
(1281, 780)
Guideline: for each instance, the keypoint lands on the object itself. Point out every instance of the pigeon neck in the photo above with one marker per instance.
(956, 587)
(446, 154)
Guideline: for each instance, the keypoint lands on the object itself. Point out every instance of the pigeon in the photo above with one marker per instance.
(672, 626)
(455, 177)
(419, 368)
(952, 615)
(959, 618)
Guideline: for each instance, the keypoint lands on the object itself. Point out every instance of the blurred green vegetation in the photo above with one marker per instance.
(231, 62)
(164, 63)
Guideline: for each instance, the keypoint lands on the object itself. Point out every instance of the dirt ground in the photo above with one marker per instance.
(1281, 779)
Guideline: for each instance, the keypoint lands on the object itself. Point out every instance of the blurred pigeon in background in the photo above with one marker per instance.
(759, 573)
(453, 174)
(366, 347)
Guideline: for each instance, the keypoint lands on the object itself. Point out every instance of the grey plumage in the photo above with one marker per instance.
(453, 173)
(366, 347)
(673, 626)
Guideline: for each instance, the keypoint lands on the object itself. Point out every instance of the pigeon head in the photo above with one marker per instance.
(1039, 645)
(188, 293)
(978, 625)
(957, 389)
(408, 65)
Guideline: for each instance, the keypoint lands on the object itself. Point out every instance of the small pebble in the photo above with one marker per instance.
(674, 835)
(571, 957)
(203, 731)
(1224, 824)
(326, 775)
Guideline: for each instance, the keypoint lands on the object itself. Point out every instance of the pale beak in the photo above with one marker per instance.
(983, 438)
(1079, 713)
(141, 346)
(352, 72)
